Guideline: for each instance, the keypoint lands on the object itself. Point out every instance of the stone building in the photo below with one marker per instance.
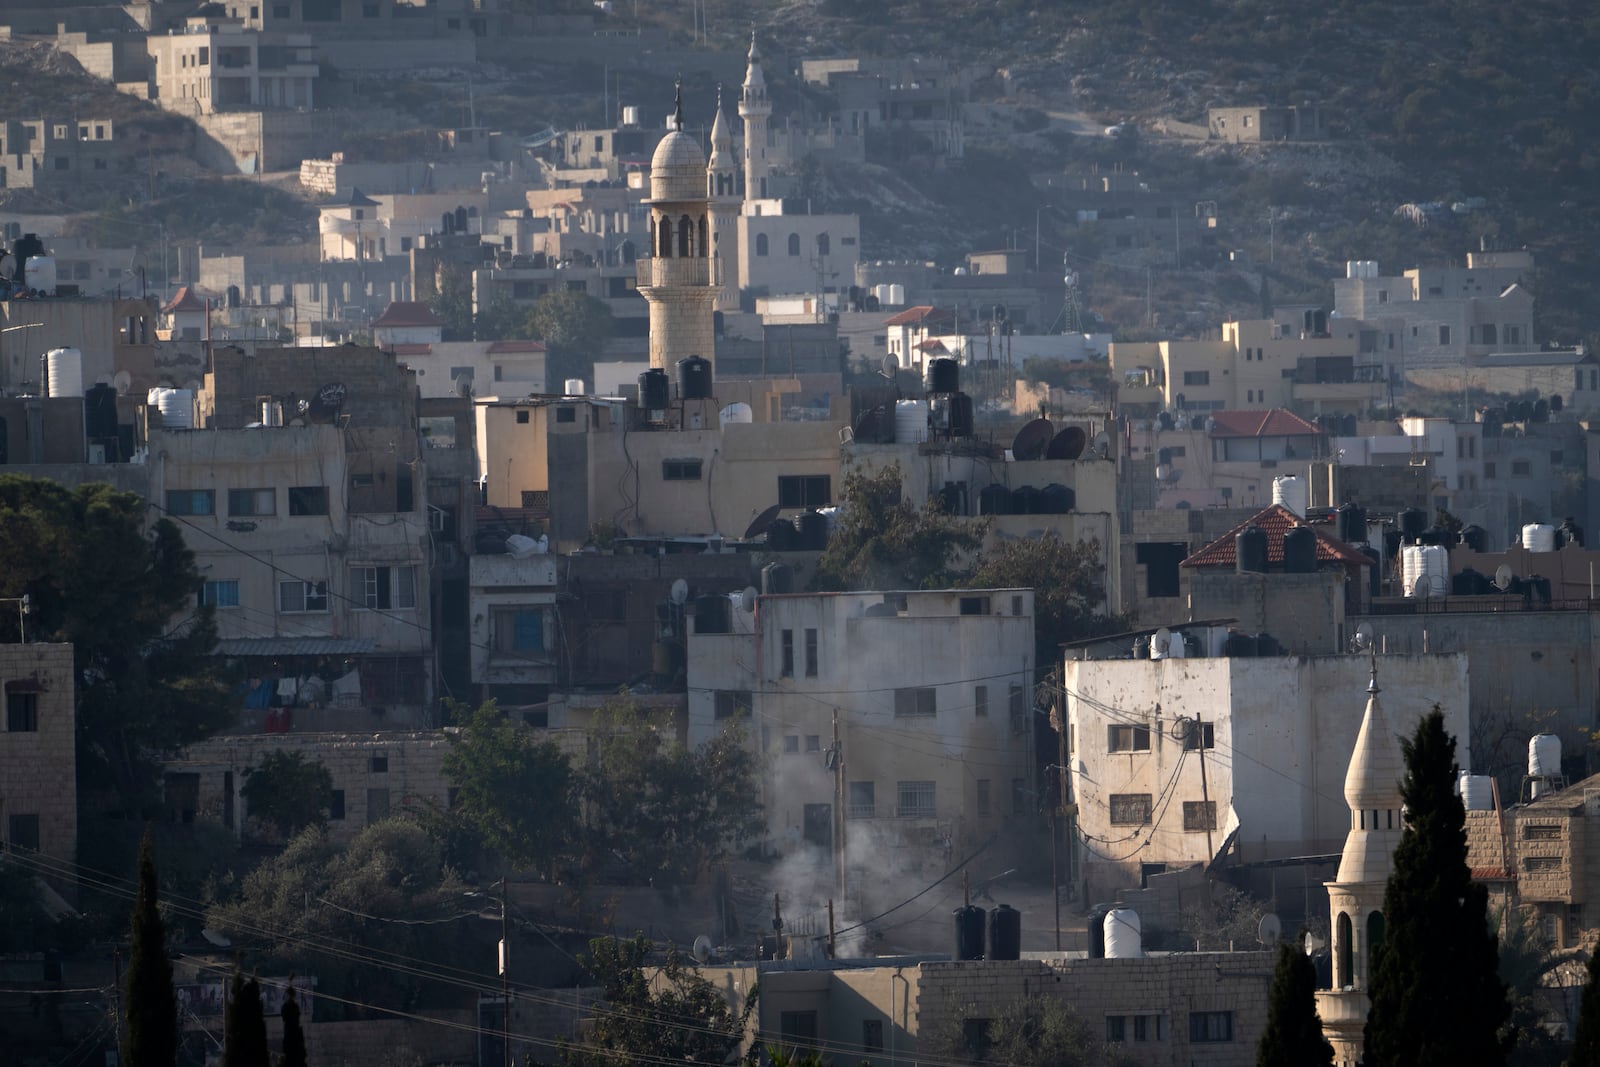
(38, 754)
(679, 278)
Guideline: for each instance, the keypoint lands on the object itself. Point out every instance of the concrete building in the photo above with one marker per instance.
(1270, 740)
(407, 322)
(55, 152)
(1571, 374)
(1241, 124)
(475, 368)
(899, 762)
(38, 752)
(1224, 459)
(218, 63)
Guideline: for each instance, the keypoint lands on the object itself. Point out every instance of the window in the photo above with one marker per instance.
(378, 763)
(1200, 735)
(191, 502)
(336, 805)
(980, 701)
(1018, 704)
(381, 588)
(974, 605)
(813, 742)
(1131, 809)
(680, 470)
(1199, 815)
(1147, 1028)
(733, 704)
(983, 796)
(1444, 335)
(24, 832)
(1541, 832)
(1196, 377)
(220, 594)
(872, 1034)
(791, 742)
(1541, 863)
(916, 800)
(811, 652)
(567, 414)
(1207, 1026)
(862, 800)
(798, 1028)
(308, 500)
(522, 418)
(1519, 468)
(22, 713)
(205, 57)
(787, 641)
(1383, 296)
(916, 702)
(1513, 335)
(975, 1037)
(1127, 739)
(522, 631)
(804, 490)
(1488, 470)
(1116, 1028)
(252, 502)
(761, 244)
(297, 596)
(377, 805)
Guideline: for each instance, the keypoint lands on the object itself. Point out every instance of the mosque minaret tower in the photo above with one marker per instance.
(679, 278)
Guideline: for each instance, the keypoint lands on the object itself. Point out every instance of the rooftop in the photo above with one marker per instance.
(402, 313)
(1275, 422)
(1274, 521)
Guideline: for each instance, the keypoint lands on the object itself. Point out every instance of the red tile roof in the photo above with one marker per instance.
(1275, 521)
(501, 347)
(1274, 423)
(917, 316)
(932, 344)
(186, 299)
(402, 313)
(416, 349)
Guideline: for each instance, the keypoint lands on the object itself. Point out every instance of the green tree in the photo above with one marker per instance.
(294, 1035)
(452, 301)
(1293, 1037)
(244, 1025)
(515, 794)
(151, 1038)
(1033, 1031)
(1437, 998)
(671, 1015)
(502, 320)
(670, 811)
(1068, 583)
(884, 542)
(98, 577)
(289, 792)
(573, 326)
(1586, 1035)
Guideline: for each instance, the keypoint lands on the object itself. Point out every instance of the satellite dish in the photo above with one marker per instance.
(1419, 588)
(747, 599)
(1363, 638)
(702, 949)
(1160, 643)
(680, 591)
(1033, 440)
(1068, 444)
(1102, 444)
(891, 366)
(215, 938)
(463, 386)
(1502, 577)
(762, 522)
(122, 381)
(1270, 932)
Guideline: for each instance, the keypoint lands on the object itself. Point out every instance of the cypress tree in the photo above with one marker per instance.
(151, 1039)
(1437, 998)
(294, 1038)
(245, 1026)
(1586, 1039)
(1293, 1037)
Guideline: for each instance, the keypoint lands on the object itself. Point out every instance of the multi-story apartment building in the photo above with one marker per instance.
(214, 63)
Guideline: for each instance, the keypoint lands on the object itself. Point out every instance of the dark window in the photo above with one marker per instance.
(788, 654)
(1147, 1028)
(1160, 561)
(1199, 815)
(1207, 1026)
(805, 490)
(302, 596)
(811, 653)
(791, 742)
(336, 805)
(872, 1034)
(980, 701)
(522, 418)
(794, 244)
(567, 414)
(220, 594)
(862, 800)
(798, 1029)
(22, 713)
(733, 704)
(1116, 1028)
(680, 470)
(1127, 738)
(308, 500)
(1018, 705)
(1131, 809)
(378, 764)
(813, 742)
(1196, 377)
(916, 800)
(252, 501)
(1200, 735)
(975, 1036)
(974, 605)
(1519, 468)
(919, 701)
(191, 502)
(822, 244)
(24, 832)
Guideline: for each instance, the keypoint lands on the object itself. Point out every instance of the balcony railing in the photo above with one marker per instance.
(862, 811)
(658, 271)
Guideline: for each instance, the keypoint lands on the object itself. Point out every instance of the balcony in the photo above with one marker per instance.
(656, 272)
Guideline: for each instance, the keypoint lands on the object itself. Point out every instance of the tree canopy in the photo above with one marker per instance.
(885, 542)
(1068, 583)
(151, 1036)
(288, 792)
(1586, 1035)
(1293, 1037)
(1032, 1031)
(573, 326)
(124, 594)
(244, 1025)
(1437, 998)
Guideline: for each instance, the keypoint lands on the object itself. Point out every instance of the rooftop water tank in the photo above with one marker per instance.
(1005, 933)
(1250, 550)
(944, 375)
(910, 421)
(1424, 570)
(897, 295)
(1544, 755)
(694, 378)
(1539, 537)
(64, 372)
(1475, 538)
(177, 408)
(1477, 791)
(100, 412)
(1124, 937)
(737, 412)
(1352, 524)
(1290, 491)
(994, 499)
(969, 932)
(41, 272)
(1412, 521)
(572, 387)
(655, 390)
(1300, 550)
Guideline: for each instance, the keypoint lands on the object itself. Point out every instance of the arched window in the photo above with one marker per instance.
(1374, 938)
(704, 244)
(794, 244)
(822, 244)
(711, 185)
(685, 236)
(761, 244)
(664, 230)
(1343, 972)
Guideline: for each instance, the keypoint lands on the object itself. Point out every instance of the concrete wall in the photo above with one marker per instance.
(1304, 612)
(38, 766)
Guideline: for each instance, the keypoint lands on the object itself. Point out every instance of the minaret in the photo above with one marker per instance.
(678, 279)
(1355, 896)
(755, 108)
(722, 184)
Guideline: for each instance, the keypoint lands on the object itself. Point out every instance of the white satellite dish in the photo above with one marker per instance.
(1160, 643)
(680, 591)
(1363, 639)
(215, 938)
(1419, 588)
(121, 381)
(891, 366)
(1102, 444)
(702, 949)
(1270, 932)
(747, 599)
(1502, 577)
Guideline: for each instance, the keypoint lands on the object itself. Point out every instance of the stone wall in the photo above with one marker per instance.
(38, 761)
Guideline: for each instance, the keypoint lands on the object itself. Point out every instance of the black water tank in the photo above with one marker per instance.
(1435, 535)
(1539, 588)
(1493, 421)
(1164, 420)
(1005, 933)
(1475, 537)
(26, 246)
(1352, 524)
(1391, 543)
(1025, 501)
(1241, 646)
(655, 390)
(1374, 569)
(813, 530)
(1412, 521)
(1468, 582)
(1300, 550)
(713, 614)
(953, 498)
(1250, 550)
(1056, 499)
(1267, 645)
(1555, 403)
(1540, 412)
(782, 536)
(969, 932)
(994, 499)
(100, 412)
(961, 415)
(694, 378)
(776, 578)
(1097, 931)
(944, 375)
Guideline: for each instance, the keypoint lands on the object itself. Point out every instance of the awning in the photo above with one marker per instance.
(294, 646)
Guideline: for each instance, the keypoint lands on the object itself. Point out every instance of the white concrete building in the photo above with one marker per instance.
(1176, 761)
(514, 623)
(215, 63)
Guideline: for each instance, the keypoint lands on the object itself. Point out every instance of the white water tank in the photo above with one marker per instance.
(1477, 791)
(271, 413)
(1539, 537)
(910, 421)
(1290, 491)
(897, 295)
(41, 272)
(881, 292)
(1424, 570)
(177, 408)
(630, 115)
(573, 387)
(64, 371)
(1544, 755)
(1124, 937)
(1175, 648)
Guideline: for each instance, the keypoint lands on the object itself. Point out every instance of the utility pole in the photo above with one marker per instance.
(836, 757)
(1205, 796)
(505, 979)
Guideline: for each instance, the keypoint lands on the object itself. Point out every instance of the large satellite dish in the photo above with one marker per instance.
(762, 522)
(702, 949)
(121, 381)
(680, 591)
(1033, 440)
(891, 367)
(1270, 931)
(1102, 444)
(1502, 577)
(1363, 638)
(1068, 444)
(747, 599)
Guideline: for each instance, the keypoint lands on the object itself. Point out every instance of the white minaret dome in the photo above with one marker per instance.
(678, 168)
(1372, 790)
(721, 141)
